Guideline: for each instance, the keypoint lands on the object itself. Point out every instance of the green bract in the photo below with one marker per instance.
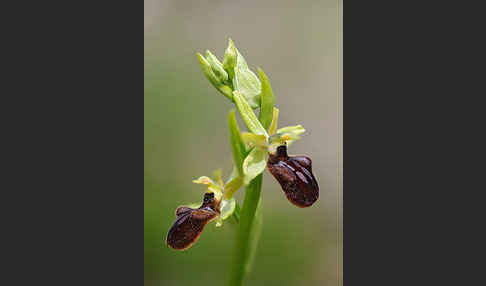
(237, 145)
(246, 82)
(267, 100)
(254, 164)
(248, 115)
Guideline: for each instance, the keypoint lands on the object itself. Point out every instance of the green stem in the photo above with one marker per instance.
(248, 232)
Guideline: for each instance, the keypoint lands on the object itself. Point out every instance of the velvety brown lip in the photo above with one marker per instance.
(294, 174)
(190, 223)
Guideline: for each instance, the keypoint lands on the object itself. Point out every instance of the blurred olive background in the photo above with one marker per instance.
(298, 45)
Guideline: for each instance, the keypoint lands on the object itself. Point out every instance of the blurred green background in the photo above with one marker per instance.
(298, 45)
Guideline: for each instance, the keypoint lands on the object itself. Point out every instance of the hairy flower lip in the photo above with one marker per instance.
(294, 174)
(190, 223)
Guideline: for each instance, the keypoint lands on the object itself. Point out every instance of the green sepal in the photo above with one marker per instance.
(253, 140)
(204, 180)
(212, 186)
(290, 134)
(227, 209)
(217, 177)
(232, 186)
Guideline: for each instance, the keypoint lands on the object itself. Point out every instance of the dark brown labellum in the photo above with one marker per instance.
(190, 223)
(294, 173)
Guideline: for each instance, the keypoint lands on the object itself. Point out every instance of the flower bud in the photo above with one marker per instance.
(217, 67)
(213, 78)
(294, 174)
(190, 222)
(229, 59)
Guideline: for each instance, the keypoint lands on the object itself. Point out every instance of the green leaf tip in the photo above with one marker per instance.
(288, 134)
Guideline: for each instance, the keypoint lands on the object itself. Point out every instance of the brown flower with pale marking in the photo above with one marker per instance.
(294, 173)
(190, 223)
